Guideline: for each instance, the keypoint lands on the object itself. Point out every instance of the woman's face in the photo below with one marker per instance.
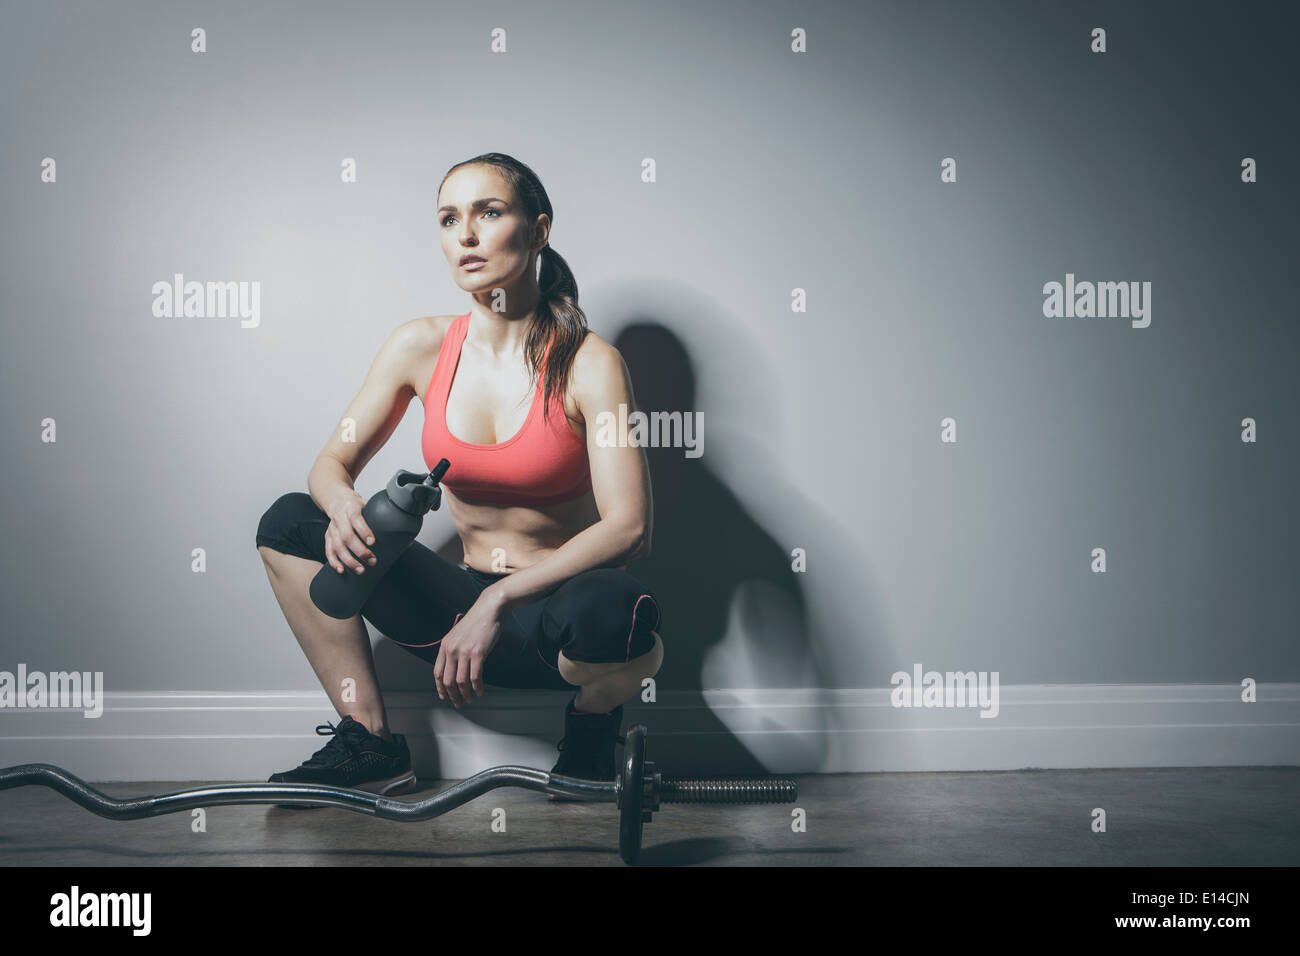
(480, 216)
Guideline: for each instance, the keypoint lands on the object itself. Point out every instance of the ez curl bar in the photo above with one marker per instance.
(637, 792)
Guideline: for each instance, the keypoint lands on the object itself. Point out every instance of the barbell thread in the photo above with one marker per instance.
(723, 790)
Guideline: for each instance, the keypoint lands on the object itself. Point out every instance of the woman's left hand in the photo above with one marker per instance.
(459, 669)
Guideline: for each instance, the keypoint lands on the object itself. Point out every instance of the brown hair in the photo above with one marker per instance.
(559, 319)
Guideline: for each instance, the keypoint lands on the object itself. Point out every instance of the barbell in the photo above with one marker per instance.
(637, 791)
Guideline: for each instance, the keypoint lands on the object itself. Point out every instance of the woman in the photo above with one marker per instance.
(548, 515)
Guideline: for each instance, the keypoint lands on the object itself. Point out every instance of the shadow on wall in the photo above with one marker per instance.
(733, 613)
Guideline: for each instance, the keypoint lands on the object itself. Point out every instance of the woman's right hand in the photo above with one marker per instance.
(348, 535)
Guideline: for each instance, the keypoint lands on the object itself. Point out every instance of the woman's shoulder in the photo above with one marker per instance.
(595, 355)
(598, 370)
(593, 348)
(413, 347)
(422, 336)
(434, 327)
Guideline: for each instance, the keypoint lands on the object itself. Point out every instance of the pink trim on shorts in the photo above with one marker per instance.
(627, 656)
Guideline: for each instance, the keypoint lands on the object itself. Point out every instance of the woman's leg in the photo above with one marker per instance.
(595, 631)
(602, 687)
(600, 626)
(414, 605)
(337, 650)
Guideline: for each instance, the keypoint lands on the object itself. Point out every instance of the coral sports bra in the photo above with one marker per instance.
(544, 463)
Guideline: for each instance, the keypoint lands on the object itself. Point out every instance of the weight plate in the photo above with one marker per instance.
(632, 794)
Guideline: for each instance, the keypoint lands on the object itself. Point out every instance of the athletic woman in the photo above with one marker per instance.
(549, 500)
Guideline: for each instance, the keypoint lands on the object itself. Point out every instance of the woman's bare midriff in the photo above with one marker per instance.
(525, 534)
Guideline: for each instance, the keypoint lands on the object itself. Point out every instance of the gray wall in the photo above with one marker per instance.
(776, 171)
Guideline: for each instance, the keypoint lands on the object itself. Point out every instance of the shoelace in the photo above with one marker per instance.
(339, 745)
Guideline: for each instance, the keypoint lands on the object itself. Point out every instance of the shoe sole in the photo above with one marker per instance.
(403, 783)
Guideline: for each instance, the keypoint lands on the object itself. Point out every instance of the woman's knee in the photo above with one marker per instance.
(603, 616)
(282, 525)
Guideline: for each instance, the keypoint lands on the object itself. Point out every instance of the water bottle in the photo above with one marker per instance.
(394, 515)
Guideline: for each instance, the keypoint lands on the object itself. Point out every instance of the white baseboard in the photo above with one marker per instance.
(188, 736)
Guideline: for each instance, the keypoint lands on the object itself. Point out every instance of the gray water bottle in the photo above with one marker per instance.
(395, 515)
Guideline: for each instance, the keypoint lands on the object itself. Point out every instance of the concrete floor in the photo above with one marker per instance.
(1238, 816)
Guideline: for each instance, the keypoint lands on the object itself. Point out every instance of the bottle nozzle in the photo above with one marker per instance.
(416, 493)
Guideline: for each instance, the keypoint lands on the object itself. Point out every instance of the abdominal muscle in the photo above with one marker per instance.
(525, 535)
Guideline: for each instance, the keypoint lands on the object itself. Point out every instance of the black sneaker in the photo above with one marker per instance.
(587, 747)
(354, 758)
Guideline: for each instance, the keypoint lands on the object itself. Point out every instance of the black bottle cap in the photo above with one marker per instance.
(417, 493)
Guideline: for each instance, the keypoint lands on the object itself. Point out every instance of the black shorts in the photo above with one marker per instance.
(604, 615)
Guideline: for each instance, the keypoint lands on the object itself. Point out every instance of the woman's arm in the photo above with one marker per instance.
(373, 415)
(367, 424)
(620, 483)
